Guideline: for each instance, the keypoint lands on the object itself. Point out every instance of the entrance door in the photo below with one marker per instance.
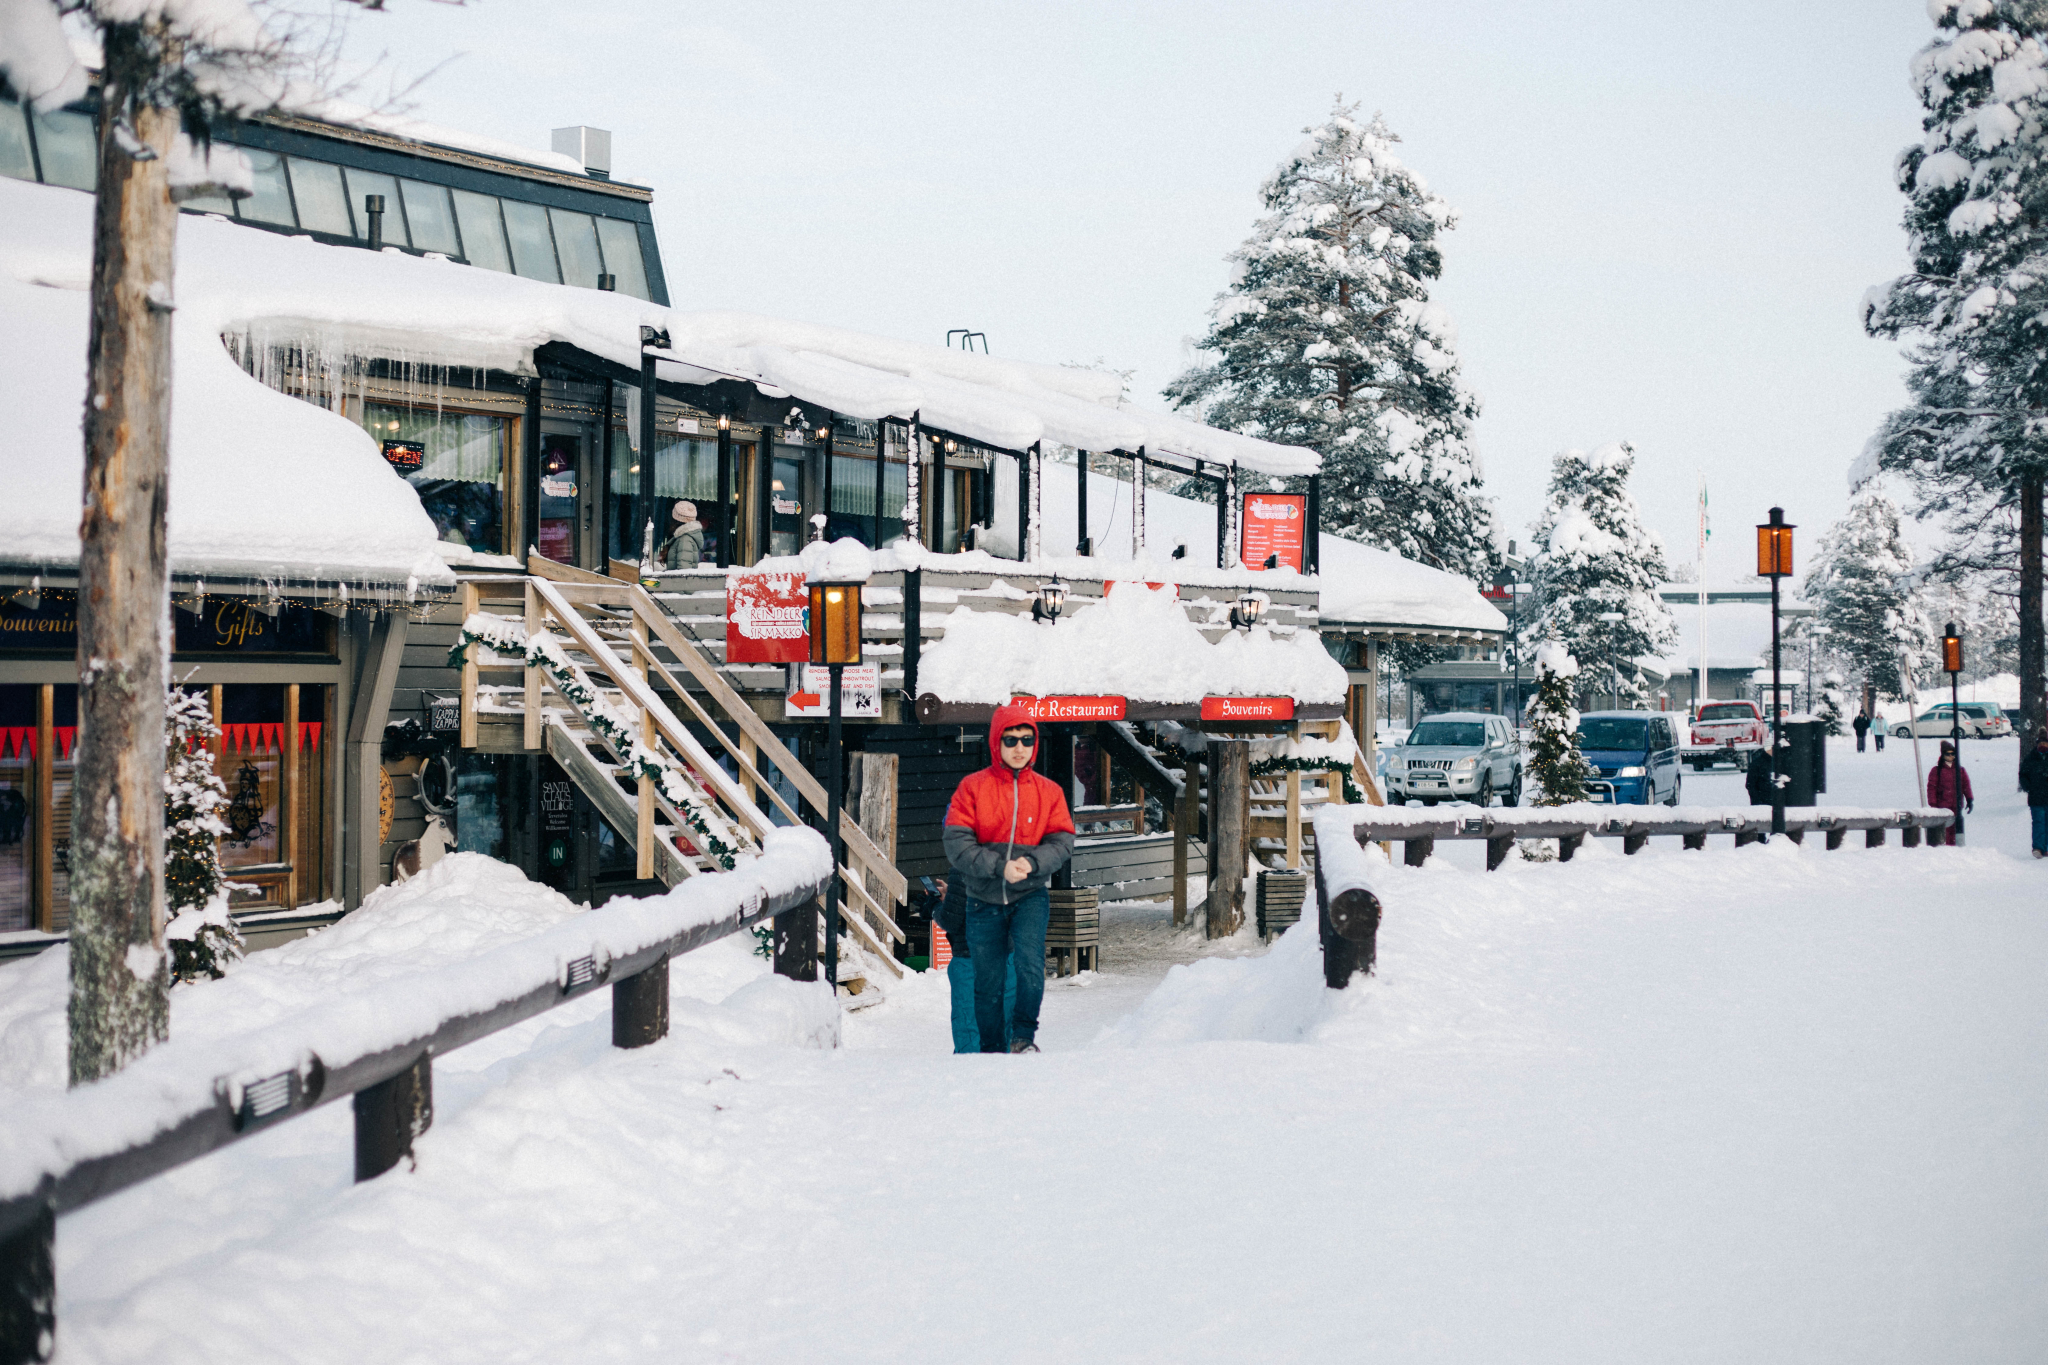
(568, 497)
(786, 506)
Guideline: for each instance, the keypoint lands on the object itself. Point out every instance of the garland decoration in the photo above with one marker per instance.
(1266, 767)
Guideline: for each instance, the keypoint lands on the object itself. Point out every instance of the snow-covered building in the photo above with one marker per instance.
(365, 444)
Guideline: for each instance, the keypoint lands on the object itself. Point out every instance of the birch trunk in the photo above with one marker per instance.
(119, 975)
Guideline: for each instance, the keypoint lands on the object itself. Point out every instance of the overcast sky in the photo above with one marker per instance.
(1669, 212)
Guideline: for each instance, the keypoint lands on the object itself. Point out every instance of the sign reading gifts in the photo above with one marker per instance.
(767, 618)
(1247, 708)
(1070, 708)
(1274, 524)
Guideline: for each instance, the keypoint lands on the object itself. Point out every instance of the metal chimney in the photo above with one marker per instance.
(590, 146)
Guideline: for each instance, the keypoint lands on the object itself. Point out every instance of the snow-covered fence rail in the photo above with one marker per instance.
(1349, 880)
(1419, 829)
(181, 1101)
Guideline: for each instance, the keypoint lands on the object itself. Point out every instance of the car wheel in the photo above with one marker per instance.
(1514, 797)
(1677, 785)
(1484, 797)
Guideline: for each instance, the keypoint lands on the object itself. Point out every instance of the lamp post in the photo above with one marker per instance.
(1774, 561)
(835, 643)
(1952, 664)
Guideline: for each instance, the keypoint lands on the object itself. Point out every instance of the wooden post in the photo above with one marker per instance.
(1498, 846)
(28, 1288)
(1415, 852)
(1349, 926)
(120, 981)
(1230, 784)
(1695, 841)
(1909, 837)
(796, 943)
(640, 1007)
(877, 776)
(751, 751)
(45, 891)
(1294, 822)
(1835, 839)
(1747, 837)
(469, 609)
(1183, 830)
(1873, 838)
(390, 1115)
(288, 796)
(1567, 845)
(1632, 844)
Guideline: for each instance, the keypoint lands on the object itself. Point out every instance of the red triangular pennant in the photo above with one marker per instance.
(66, 734)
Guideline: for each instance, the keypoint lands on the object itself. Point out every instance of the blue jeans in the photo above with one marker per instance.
(999, 935)
(2040, 814)
(966, 1029)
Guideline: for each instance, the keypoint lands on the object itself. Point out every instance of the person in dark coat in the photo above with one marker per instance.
(1758, 779)
(1861, 725)
(1948, 777)
(2034, 782)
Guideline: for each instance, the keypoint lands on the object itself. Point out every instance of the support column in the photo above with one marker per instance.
(1226, 519)
(1034, 480)
(640, 1007)
(728, 522)
(881, 478)
(1230, 787)
(913, 481)
(647, 530)
(378, 647)
(1138, 467)
(1184, 818)
(390, 1115)
(1083, 544)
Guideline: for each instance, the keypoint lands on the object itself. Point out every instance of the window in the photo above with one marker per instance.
(533, 247)
(1448, 734)
(272, 201)
(1628, 734)
(621, 241)
(853, 499)
(462, 483)
(16, 161)
(322, 200)
(483, 231)
(431, 217)
(362, 184)
(68, 149)
(576, 243)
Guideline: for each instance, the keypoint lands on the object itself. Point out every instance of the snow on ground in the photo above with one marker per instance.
(1767, 1105)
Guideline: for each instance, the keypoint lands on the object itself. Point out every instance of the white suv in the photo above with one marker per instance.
(1458, 756)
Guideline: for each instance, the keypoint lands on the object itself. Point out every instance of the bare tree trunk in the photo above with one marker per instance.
(119, 973)
(2031, 660)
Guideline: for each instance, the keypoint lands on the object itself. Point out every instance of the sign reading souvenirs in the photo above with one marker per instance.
(1247, 708)
(209, 625)
(767, 618)
(860, 692)
(407, 457)
(1274, 524)
(1070, 708)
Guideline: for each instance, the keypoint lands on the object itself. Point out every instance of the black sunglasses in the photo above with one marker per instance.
(1019, 741)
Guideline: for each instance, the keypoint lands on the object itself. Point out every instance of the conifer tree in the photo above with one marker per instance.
(1555, 762)
(1864, 606)
(202, 938)
(1327, 338)
(1972, 441)
(1593, 561)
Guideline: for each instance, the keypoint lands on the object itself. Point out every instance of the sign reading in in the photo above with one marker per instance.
(860, 692)
(1274, 524)
(1247, 708)
(407, 457)
(767, 618)
(1070, 708)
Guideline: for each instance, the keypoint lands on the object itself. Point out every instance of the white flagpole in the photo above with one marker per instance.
(1700, 692)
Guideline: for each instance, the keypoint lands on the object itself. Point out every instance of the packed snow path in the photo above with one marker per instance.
(1774, 1105)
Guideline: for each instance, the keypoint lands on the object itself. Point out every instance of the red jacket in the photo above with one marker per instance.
(1941, 787)
(999, 813)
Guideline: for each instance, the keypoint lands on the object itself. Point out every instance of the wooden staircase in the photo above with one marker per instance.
(601, 671)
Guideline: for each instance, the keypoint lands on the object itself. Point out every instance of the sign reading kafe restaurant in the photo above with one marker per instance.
(1070, 708)
(767, 618)
(1247, 708)
(1274, 525)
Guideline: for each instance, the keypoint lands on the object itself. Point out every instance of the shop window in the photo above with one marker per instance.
(621, 242)
(853, 499)
(35, 805)
(270, 758)
(272, 200)
(17, 162)
(483, 231)
(68, 149)
(462, 482)
(684, 468)
(576, 244)
(430, 217)
(533, 246)
(321, 197)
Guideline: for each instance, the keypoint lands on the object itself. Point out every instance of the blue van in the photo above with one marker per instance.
(1634, 755)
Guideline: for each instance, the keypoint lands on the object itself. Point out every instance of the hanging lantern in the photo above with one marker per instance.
(1952, 650)
(1046, 604)
(835, 623)
(1774, 546)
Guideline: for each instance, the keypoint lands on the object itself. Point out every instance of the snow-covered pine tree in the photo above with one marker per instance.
(1830, 705)
(1555, 762)
(1327, 338)
(1594, 560)
(202, 938)
(1973, 442)
(1864, 606)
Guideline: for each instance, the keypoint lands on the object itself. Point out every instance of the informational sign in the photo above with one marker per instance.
(860, 692)
(1247, 708)
(444, 714)
(1274, 524)
(1070, 708)
(767, 618)
(688, 426)
(407, 457)
(558, 486)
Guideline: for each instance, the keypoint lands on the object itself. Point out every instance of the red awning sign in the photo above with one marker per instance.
(1070, 708)
(1247, 708)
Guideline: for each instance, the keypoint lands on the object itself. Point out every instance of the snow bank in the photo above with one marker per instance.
(1133, 643)
(1275, 998)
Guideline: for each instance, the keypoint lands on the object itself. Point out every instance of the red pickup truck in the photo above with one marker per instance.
(1725, 732)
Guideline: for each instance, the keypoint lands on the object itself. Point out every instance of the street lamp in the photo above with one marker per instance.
(1774, 561)
(1046, 603)
(1952, 664)
(835, 643)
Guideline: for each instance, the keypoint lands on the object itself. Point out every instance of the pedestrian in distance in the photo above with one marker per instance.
(950, 918)
(2034, 781)
(1877, 723)
(1008, 831)
(1757, 781)
(1861, 725)
(685, 548)
(1948, 776)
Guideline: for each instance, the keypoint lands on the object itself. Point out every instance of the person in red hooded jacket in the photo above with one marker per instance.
(1008, 831)
(1942, 782)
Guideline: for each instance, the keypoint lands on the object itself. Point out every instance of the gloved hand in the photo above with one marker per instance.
(1969, 807)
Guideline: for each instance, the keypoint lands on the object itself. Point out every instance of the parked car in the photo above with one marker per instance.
(1726, 732)
(1634, 754)
(1457, 756)
(1980, 720)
